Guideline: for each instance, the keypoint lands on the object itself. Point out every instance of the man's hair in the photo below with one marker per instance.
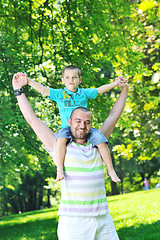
(83, 109)
(71, 67)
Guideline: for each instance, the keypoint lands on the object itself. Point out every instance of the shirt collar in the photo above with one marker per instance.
(72, 93)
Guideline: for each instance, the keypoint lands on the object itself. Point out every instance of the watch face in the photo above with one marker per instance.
(21, 90)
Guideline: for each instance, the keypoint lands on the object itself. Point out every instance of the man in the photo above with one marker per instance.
(83, 211)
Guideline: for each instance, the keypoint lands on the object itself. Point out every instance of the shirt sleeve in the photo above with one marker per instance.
(54, 94)
(91, 93)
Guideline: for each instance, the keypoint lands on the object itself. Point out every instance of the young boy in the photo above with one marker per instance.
(67, 100)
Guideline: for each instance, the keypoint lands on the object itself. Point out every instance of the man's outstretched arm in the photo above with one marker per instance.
(40, 128)
(110, 122)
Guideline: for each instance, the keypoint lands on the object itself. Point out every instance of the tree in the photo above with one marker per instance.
(142, 122)
(105, 40)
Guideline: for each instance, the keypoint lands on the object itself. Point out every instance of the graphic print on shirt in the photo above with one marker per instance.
(69, 101)
(66, 96)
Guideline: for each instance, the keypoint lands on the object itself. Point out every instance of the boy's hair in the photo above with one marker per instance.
(83, 109)
(71, 67)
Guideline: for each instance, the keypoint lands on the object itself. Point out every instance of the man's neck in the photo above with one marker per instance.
(80, 141)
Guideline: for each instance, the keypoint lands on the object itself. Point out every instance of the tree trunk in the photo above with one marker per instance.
(48, 198)
(114, 188)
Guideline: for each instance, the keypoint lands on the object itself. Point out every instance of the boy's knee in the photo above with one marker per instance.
(62, 140)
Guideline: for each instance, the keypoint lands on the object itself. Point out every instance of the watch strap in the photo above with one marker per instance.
(18, 92)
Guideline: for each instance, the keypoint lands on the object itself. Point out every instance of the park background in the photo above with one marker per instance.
(105, 39)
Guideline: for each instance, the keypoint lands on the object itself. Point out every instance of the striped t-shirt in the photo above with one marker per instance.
(83, 189)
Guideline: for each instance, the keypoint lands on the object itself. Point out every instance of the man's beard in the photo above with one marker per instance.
(80, 135)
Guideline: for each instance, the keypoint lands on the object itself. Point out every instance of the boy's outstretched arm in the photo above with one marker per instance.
(40, 128)
(107, 87)
(38, 86)
(110, 122)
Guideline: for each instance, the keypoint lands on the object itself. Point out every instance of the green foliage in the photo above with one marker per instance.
(140, 123)
(105, 39)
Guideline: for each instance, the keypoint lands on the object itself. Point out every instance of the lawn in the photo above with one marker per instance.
(35, 225)
(136, 217)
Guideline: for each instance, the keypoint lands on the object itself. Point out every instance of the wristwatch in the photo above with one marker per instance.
(18, 92)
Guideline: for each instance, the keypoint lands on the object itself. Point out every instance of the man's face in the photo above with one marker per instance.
(80, 124)
(71, 79)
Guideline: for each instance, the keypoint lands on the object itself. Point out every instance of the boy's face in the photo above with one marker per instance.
(71, 79)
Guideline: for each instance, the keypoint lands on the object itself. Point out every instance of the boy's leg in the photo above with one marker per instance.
(62, 137)
(96, 138)
(104, 151)
(60, 151)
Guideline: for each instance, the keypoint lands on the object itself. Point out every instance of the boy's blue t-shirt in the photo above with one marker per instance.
(67, 101)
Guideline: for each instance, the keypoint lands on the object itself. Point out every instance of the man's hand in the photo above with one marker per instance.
(120, 80)
(19, 80)
(124, 85)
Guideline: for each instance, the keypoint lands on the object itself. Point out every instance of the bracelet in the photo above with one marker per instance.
(18, 92)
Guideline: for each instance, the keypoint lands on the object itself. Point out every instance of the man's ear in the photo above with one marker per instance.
(80, 79)
(69, 121)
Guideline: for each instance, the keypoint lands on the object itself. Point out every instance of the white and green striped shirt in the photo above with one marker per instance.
(83, 189)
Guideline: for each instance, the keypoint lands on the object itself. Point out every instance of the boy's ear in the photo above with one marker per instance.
(62, 80)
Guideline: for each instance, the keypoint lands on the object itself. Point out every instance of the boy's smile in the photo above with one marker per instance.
(71, 79)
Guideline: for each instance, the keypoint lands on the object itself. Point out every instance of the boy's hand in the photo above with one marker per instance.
(120, 80)
(124, 85)
(19, 80)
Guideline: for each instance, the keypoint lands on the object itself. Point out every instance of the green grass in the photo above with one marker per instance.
(136, 217)
(37, 225)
